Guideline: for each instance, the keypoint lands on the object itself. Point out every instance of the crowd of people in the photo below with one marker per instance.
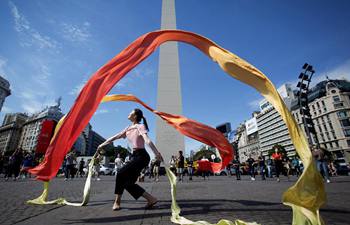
(15, 166)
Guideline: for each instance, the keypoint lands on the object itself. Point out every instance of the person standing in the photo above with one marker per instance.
(81, 167)
(251, 164)
(277, 159)
(97, 166)
(236, 166)
(262, 167)
(172, 164)
(269, 168)
(190, 168)
(156, 166)
(180, 165)
(118, 163)
(137, 136)
(69, 166)
(2, 159)
(321, 162)
(296, 166)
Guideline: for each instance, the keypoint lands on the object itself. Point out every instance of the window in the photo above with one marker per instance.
(338, 105)
(325, 127)
(328, 118)
(319, 128)
(333, 134)
(347, 132)
(336, 144)
(336, 98)
(345, 123)
(324, 105)
(328, 137)
(342, 114)
(348, 141)
(331, 144)
(330, 126)
(318, 105)
(322, 136)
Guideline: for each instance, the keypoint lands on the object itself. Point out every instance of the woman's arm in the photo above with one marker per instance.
(113, 138)
(152, 146)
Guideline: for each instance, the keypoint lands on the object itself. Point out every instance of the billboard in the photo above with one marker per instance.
(251, 126)
(46, 133)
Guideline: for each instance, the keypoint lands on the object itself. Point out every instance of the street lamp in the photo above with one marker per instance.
(303, 85)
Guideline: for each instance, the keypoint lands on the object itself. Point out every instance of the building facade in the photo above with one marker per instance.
(38, 130)
(271, 128)
(4, 90)
(248, 139)
(329, 103)
(10, 132)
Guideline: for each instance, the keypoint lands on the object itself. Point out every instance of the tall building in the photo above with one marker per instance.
(248, 139)
(38, 130)
(10, 132)
(4, 90)
(169, 87)
(329, 103)
(271, 128)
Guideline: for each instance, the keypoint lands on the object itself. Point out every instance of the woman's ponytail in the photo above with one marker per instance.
(145, 123)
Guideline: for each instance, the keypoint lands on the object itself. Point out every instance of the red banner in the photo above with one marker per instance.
(45, 136)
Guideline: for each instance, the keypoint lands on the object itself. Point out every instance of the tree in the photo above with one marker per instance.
(203, 152)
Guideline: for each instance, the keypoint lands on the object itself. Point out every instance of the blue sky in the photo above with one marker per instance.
(50, 48)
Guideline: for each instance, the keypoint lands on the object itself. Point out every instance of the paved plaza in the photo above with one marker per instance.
(220, 197)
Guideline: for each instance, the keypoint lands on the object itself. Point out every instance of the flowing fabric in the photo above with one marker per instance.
(305, 197)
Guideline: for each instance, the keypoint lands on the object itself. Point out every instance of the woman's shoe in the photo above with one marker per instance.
(150, 205)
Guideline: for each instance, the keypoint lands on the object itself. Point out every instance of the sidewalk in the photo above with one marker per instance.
(218, 198)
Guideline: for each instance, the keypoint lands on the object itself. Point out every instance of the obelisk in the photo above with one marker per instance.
(168, 140)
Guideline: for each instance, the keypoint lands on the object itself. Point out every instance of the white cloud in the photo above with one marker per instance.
(34, 100)
(342, 71)
(76, 90)
(30, 36)
(101, 111)
(75, 33)
(6, 109)
(137, 73)
(254, 105)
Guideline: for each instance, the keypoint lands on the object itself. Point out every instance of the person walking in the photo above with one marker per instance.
(137, 136)
(321, 162)
(251, 164)
(277, 159)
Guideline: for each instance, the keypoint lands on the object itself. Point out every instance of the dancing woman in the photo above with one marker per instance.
(127, 176)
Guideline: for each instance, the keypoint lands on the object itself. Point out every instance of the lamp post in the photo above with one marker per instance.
(303, 85)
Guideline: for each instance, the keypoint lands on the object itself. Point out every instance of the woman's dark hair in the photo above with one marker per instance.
(139, 116)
